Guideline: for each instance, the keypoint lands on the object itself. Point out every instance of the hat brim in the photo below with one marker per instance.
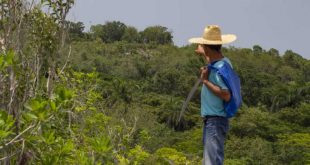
(226, 39)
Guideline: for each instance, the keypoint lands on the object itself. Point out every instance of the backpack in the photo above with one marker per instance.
(232, 81)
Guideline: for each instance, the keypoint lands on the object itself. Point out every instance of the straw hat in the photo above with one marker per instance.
(212, 36)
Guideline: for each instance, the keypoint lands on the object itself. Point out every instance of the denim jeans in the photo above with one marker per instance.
(214, 133)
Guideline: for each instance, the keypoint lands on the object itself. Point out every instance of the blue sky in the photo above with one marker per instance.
(280, 24)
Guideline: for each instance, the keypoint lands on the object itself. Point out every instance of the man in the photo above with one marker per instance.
(214, 93)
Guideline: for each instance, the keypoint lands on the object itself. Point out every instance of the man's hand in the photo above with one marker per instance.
(204, 74)
(200, 50)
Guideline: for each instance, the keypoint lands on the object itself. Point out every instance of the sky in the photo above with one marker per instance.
(280, 24)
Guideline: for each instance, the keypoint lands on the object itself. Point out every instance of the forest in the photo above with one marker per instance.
(113, 95)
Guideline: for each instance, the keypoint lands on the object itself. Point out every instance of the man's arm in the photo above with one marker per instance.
(221, 93)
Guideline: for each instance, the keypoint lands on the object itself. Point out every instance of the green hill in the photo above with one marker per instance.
(153, 81)
(114, 95)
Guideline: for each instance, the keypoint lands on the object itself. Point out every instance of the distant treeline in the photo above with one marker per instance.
(118, 31)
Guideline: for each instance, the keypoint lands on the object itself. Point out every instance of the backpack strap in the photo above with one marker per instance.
(211, 66)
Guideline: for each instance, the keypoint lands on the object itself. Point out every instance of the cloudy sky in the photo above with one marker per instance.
(280, 24)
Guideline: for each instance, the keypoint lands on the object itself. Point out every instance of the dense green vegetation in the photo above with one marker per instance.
(114, 95)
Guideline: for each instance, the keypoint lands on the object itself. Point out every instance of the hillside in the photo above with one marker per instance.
(114, 95)
(152, 81)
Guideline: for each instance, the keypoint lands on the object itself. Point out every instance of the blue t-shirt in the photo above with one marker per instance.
(212, 105)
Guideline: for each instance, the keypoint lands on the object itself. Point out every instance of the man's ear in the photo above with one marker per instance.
(206, 48)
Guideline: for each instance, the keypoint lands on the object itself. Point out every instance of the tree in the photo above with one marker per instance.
(131, 35)
(157, 35)
(32, 37)
(75, 29)
(257, 50)
(113, 31)
(293, 59)
(110, 31)
(96, 31)
(273, 52)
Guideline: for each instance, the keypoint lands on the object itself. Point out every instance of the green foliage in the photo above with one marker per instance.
(299, 115)
(118, 99)
(253, 150)
(113, 31)
(6, 60)
(235, 161)
(290, 95)
(153, 79)
(190, 142)
(96, 30)
(156, 35)
(137, 155)
(6, 126)
(117, 31)
(167, 80)
(75, 30)
(293, 59)
(294, 148)
(257, 50)
(131, 35)
(58, 150)
(101, 146)
(255, 122)
(110, 31)
(273, 52)
(171, 156)
(59, 8)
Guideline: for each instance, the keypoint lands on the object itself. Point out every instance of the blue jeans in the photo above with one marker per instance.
(214, 133)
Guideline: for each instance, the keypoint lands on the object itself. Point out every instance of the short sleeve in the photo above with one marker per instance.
(219, 81)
